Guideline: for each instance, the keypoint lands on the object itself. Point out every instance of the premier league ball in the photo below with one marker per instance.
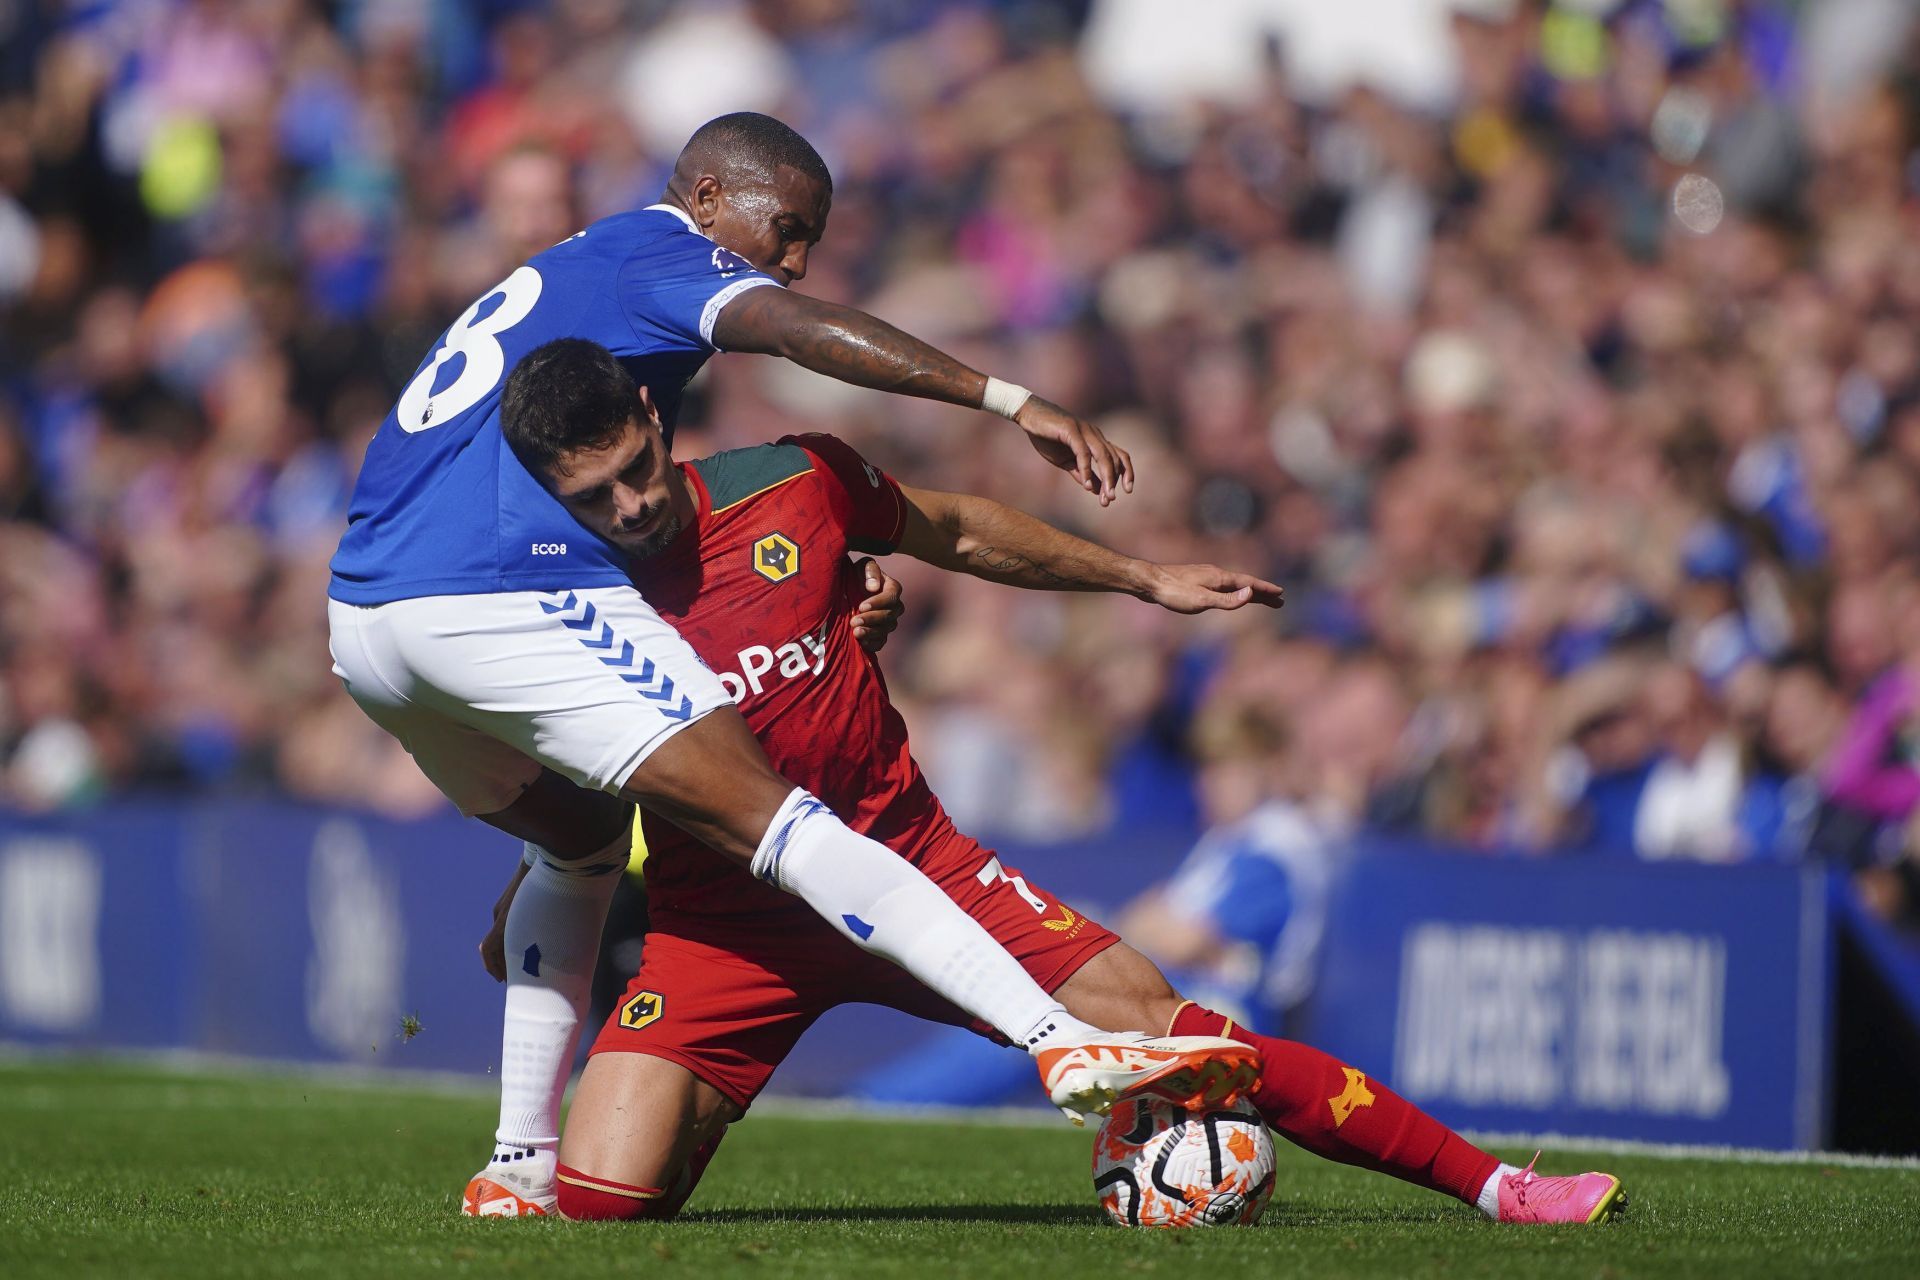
(1156, 1165)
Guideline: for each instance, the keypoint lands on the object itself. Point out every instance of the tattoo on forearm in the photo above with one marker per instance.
(1011, 563)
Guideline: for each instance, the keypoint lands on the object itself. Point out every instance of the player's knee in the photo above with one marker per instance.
(585, 1198)
(567, 820)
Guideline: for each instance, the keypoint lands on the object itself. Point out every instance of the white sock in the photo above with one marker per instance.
(886, 905)
(553, 939)
(1489, 1201)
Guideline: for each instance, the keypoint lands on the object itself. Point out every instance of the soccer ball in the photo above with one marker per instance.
(1158, 1165)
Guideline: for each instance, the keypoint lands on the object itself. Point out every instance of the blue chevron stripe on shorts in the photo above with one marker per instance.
(616, 653)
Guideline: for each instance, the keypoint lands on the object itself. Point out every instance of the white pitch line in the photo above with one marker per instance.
(916, 1113)
(220, 1066)
(1686, 1151)
(454, 1084)
(1024, 1118)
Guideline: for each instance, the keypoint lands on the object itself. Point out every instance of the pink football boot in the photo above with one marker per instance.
(1582, 1197)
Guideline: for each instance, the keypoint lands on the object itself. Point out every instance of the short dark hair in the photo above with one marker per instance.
(568, 395)
(745, 146)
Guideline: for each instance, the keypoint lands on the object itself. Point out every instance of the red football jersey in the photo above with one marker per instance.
(760, 585)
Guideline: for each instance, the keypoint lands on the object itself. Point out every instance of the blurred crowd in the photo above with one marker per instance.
(1571, 386)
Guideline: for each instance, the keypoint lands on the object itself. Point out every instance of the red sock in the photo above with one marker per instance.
(589, 1199)
(696, 1167)
(584, 1198)
(1315, 1100)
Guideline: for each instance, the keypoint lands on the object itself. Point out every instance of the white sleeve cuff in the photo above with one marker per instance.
(718, 302)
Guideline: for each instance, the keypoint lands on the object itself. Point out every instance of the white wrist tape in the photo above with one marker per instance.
(1004, 398)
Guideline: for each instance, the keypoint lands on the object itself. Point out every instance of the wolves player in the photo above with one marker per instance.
(504, 645)
(743, 553)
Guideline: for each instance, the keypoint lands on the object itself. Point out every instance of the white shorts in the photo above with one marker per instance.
(484, 690)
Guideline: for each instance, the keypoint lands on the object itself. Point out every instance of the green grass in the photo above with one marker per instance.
(122, 1171)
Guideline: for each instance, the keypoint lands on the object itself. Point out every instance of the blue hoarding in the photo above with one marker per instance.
(1681, 1003)
(263, 930)
(1670, 1003)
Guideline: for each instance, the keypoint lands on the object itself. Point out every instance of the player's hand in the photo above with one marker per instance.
(879, 613)
(1196, 588)
(493, 947)
(1101, 467)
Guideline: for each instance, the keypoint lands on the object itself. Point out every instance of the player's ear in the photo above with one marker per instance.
(649, 411)
(705, 199)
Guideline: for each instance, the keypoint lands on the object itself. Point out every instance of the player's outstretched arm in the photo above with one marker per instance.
(848, 344)
(987, 539)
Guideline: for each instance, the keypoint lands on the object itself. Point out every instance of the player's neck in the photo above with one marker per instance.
(680, 204)
(686, 502)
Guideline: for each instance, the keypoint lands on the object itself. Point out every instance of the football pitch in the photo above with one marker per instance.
(129, 1171)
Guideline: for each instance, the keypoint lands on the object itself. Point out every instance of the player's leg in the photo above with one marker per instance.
(699, 1032)
(712, 780)
(1308, 1096)
(576, 842)
(1337, 1111)
(1120, 988)
(639, 1135)
(577, 845)
(1051, 941)
(566, 820)
(1318, 1102)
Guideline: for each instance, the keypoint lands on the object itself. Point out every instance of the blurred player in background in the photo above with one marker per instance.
(1239, 922)
(503, 644)
(744, 554)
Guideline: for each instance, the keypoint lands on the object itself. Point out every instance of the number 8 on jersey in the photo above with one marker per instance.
(475, 338)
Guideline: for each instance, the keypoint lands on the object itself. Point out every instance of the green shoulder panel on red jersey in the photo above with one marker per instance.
(738, 474)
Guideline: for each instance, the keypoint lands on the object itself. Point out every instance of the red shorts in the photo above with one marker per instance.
(728, 997)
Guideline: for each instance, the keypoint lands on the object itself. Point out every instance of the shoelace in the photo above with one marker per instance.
(1523, 1179)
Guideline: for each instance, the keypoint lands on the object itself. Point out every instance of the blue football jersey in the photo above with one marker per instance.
(443, 507)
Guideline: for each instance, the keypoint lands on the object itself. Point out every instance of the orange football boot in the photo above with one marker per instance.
(1187, 1071)
(521, 1187)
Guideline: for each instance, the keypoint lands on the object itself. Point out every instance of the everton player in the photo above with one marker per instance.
(471, 616)
(743, 553)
